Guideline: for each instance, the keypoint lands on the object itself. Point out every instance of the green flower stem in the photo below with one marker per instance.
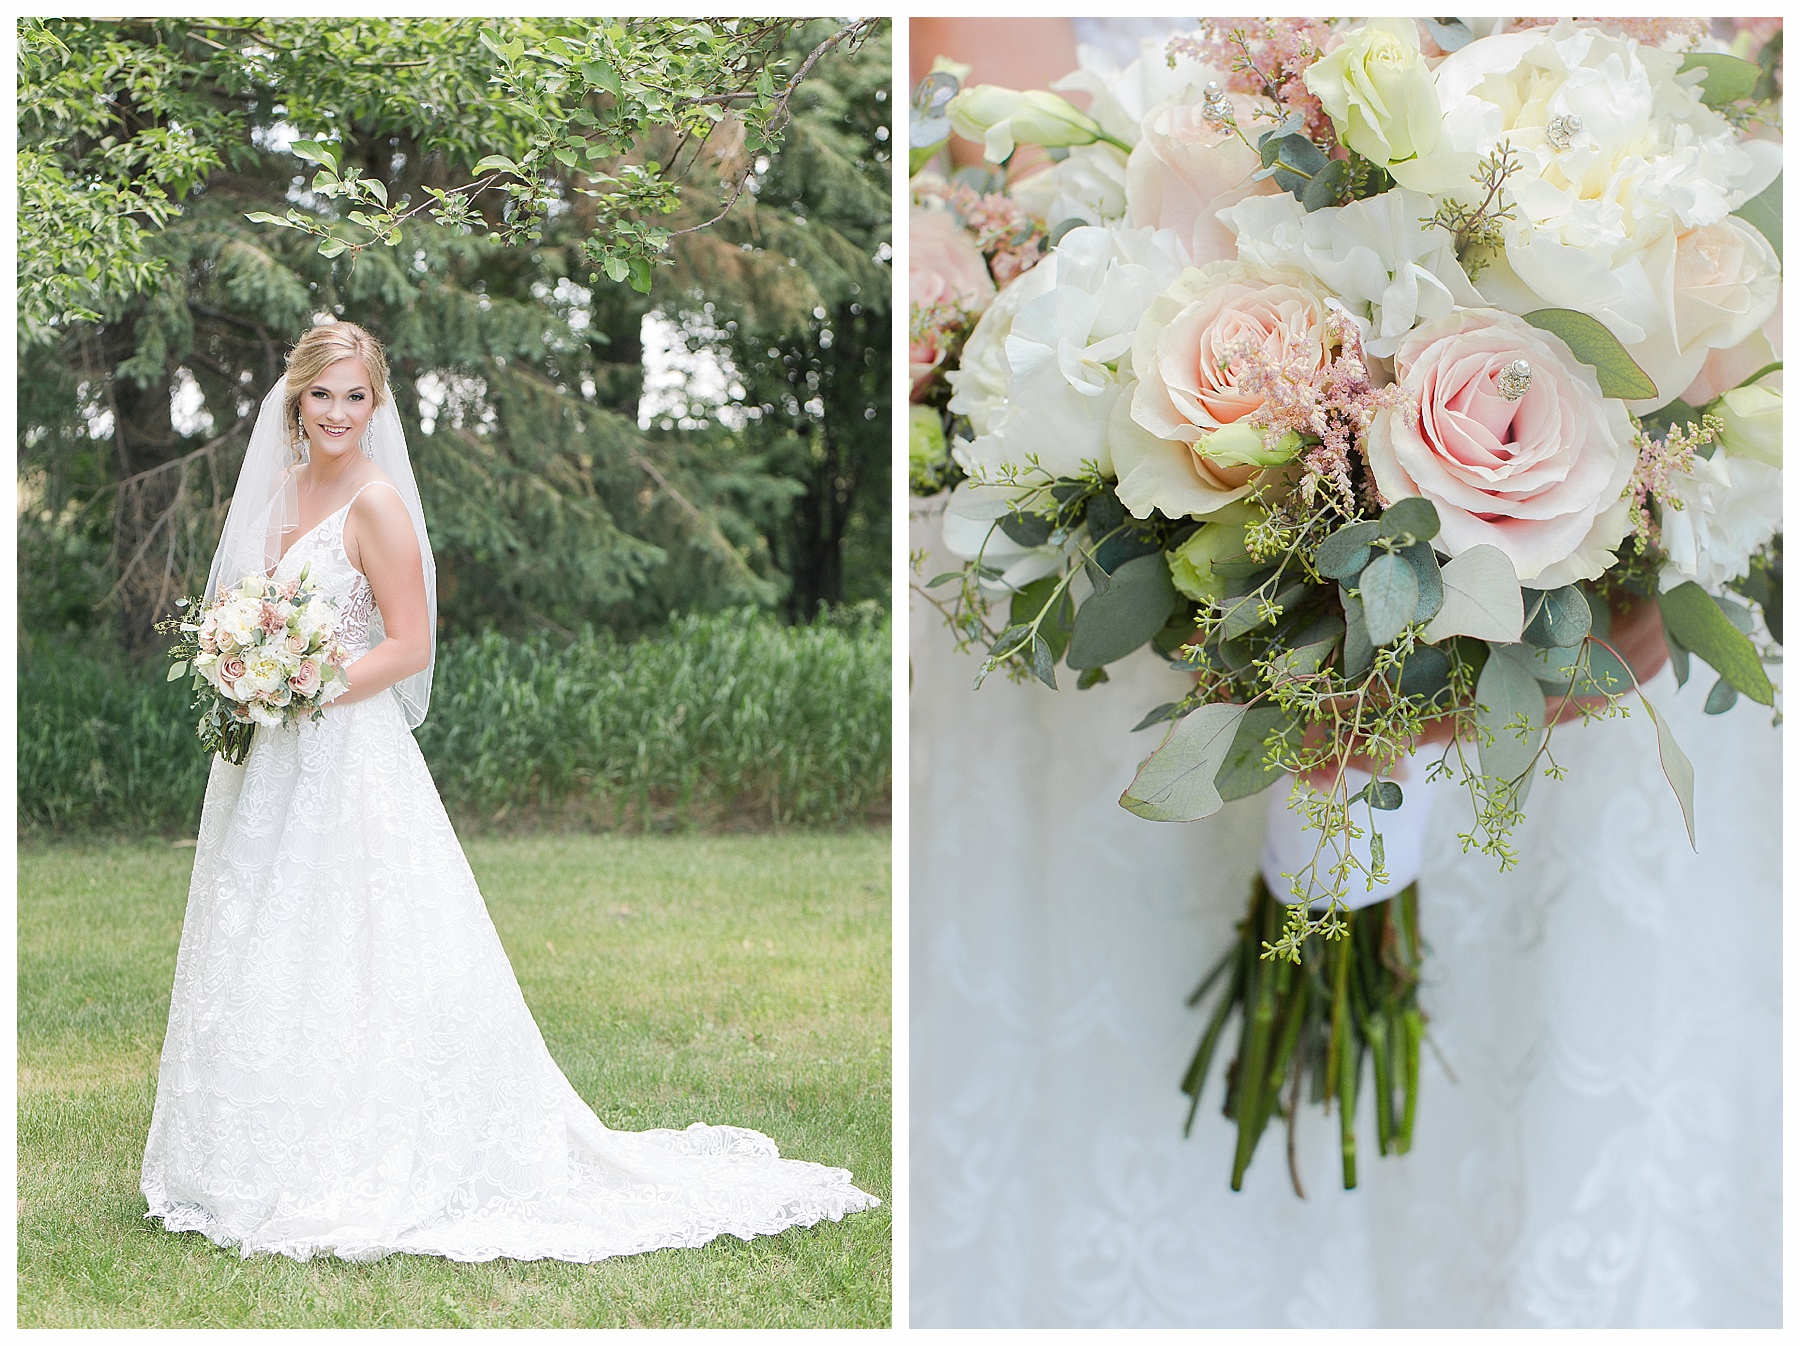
(1314, 1022)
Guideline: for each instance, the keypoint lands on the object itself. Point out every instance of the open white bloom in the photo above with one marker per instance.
(1087, 187)
(979, 389)
(1066, 354)
(1184, 171)
(1601, 211)
(1731, 506)
(1390, 270)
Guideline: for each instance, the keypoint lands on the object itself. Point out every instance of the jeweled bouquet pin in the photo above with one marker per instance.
(266, 652)
(1411, 385)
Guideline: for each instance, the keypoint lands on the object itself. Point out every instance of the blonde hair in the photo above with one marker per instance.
(317, 351)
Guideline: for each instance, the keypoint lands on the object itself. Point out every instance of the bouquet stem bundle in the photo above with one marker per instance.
(1309, 1026)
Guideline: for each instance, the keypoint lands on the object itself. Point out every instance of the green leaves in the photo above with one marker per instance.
(1343, 555)
(1482, 598)
(1510, 706)
(1412, 515)
(1678, 771)
(1591, 343)
(1762, 212)
(1175, 784)
(1244, 771)
(1727, 78)
(1130, 610)
(1562, 620)
(1390, 593)
(1694, 618)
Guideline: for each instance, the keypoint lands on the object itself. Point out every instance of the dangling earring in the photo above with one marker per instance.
(368, 443)
(300, 441)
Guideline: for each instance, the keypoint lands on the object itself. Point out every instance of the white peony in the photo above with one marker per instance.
(1731, 506)
(1390, 270)
(1064, 348)
(1599, 210)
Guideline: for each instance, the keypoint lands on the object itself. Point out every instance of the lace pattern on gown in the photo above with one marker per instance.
(350, 1067)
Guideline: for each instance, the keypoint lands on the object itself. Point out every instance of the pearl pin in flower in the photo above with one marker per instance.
(1562, 130)
(1215, 107)
(1514, 380)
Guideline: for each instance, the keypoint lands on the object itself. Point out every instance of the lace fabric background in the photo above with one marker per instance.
(1608, 1155)
(350, 1067)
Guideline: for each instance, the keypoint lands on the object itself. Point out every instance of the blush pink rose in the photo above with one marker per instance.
(1183, 349)
(1542, 478)
(306, 678)
(231, 669)
(1182, 172)
(947, 281)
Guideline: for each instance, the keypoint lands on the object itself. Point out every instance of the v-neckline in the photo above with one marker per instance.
(309, 532)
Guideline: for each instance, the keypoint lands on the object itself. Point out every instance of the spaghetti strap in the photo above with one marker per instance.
(380, 481)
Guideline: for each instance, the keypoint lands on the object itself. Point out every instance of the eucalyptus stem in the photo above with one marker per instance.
(1314, 1023)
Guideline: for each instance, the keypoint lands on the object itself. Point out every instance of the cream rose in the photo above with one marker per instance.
(1379, 93)
(1541, 477)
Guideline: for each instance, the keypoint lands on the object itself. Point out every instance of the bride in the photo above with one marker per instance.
(350, 1067)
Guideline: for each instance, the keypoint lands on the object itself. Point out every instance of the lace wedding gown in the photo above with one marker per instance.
(350, 1067)
(1599, 1130)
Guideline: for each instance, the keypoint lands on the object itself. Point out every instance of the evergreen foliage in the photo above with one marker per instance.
(154, 314)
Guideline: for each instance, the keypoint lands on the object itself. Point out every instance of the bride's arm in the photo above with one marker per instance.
(386, 550)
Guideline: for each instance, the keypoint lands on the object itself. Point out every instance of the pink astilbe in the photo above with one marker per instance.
(1265, 57)
(1332, 404)
(1010, 239)
(1682, 33)
(1658, 461)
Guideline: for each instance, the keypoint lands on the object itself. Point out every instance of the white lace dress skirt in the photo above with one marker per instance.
(350, 1066)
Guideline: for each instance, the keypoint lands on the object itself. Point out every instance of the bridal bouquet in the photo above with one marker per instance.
(1394, 378)
(265, 652)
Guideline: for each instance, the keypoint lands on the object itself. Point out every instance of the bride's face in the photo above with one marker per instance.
(337, 407)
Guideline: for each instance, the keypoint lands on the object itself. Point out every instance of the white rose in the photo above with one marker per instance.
(1005, 118)
(1713, 287)
(1391, 270)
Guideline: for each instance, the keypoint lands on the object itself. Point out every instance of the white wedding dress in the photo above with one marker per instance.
(1608, 1152)
(350, 1067)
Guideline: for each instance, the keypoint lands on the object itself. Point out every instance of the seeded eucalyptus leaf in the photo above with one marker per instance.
(1028, 530)
(949, 576)
(1390, 596)
(1762, 213)
(1678, 657)
(1385, 794)
(1727, 78)
(1091, 677)
(1028, 602)
(1591, 343)
(1721, 698)
(1563, 619)
(1293, 161)
(1343, 555)
(1243, 772)
(176, 670)
(1131, 610)
(1310, 648)
(1167, 711)
(1011, 639)
(1736, 613)
(1359, 650)
(1413, 514)
(1695, 618)
(1328, 187)
(1677, 770)
(1449, 34)
(1506, 693)
(1043, 662)
(1425, 673)
(1481, 598)
(1424, 563)
(1176, 782)
(1104, 513)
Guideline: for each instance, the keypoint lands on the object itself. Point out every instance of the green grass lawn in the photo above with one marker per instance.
(739, 979)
